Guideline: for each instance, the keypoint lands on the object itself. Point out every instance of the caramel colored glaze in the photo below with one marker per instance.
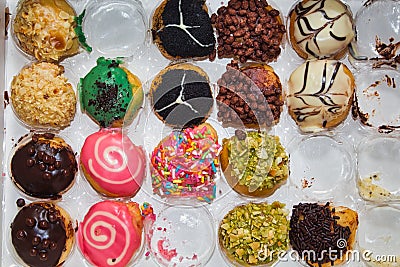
(40, 234)
(44, 167)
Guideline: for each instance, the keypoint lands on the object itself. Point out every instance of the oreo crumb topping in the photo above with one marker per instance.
(185, 29)
(183, 98)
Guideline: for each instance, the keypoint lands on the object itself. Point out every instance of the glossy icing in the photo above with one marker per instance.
(111, 233)
(43, 166)
(319, 93)
(321, 28)
(113, 163)
(107, 90)
(41, 233)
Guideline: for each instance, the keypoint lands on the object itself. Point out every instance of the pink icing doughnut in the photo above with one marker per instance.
(111, 233)
(112, 164)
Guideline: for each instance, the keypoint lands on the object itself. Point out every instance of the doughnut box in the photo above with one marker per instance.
(200, 133)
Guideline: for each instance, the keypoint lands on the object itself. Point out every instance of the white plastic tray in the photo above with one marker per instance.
(146, 63)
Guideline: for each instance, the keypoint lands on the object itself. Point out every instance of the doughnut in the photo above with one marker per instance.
(247, 170)
(181, 95)
(184, 164)
(182, 29)
(43, 166)
(112, 164)
(45, 29)
(42, 234)
(249, 96)
(42, 97)
(110, 94)
(334, 230)
(249, 31)
(249, 232)
(111, 233)
(320, 94)
(320, 28)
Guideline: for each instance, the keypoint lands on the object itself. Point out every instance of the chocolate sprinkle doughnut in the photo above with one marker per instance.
(182, 29)
(39, 234)
(43, 166)
(181, 95)
(315, 227)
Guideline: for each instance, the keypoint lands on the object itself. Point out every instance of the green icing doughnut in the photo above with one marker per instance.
(105, 93)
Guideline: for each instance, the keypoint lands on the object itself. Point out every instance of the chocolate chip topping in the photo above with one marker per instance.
(30, 222)
(20, 202)
(176, 41)
(249, 96)
(38, 245)
(41, 169)
(177, 86)
(313, 227)
(248, 31)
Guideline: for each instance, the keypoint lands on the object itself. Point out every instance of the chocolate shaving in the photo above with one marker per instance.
(7, 16)
(388, 52)
(6, 99)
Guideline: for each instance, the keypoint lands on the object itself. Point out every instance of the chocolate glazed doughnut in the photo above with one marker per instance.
(43, 166)
(42, 234)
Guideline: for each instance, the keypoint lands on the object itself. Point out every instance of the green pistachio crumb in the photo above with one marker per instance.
(259, 161)
(251, 239)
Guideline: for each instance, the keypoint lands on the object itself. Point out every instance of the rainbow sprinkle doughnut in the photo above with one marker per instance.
(184, 164)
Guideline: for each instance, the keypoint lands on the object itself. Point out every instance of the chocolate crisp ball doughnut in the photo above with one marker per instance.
(320, 28)
(249, 96)
(45, 29)
(248, 30)
(182, 29)
(43, 166)
(42, 234)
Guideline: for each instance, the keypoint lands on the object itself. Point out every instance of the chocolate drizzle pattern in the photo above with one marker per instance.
(182, 97)
(39, 234)
(44, 166)
(321, 28)
(185, 30)
(320, 92)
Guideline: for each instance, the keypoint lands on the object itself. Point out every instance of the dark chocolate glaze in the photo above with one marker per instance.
(176, 41)
(42, 171)
(38, 234)
(196, 93)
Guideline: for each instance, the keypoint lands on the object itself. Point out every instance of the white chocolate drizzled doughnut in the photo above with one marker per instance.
(320, 94)
(320, 28)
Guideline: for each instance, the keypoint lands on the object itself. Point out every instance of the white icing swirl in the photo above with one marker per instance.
(104, 160)
(109, 240)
